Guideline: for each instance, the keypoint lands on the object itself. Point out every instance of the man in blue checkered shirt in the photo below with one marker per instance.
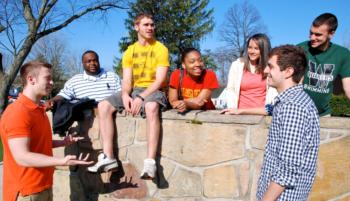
(289, 165)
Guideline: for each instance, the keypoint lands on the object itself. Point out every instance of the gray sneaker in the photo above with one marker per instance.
(104, 164)
(149, 169)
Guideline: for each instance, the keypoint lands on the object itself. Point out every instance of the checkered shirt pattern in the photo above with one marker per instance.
(292, 146)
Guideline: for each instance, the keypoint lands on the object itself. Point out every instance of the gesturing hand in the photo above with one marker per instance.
(69, 139)
(72, 160)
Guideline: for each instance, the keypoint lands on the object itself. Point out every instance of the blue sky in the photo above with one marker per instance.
(286, 22)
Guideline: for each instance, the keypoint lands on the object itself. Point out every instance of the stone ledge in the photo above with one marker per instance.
(210, 116)
(335, 122)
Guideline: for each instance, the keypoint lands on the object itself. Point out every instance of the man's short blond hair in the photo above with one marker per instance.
(32, 67)
(140, 16)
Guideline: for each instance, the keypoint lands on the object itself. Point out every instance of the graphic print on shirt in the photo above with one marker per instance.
(320, 76)
(141, 67)
(190, 93)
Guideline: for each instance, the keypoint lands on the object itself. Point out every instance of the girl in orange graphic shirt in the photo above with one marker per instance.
(190, 88)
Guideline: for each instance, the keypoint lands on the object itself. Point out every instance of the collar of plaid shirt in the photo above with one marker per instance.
(288, 92)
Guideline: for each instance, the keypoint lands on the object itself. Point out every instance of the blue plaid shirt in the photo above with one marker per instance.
(292, 146)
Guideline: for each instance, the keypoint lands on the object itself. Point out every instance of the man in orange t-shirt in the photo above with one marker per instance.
(27, 140)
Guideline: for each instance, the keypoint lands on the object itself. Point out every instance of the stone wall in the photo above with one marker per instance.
(203, 156)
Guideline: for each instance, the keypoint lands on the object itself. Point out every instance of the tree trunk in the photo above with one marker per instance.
(6, 80)
(4, 90)
(1, 67)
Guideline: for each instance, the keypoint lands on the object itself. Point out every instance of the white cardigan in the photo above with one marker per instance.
(234, 85)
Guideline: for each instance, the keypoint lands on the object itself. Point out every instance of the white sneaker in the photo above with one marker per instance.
(149, 169)
(103, 164)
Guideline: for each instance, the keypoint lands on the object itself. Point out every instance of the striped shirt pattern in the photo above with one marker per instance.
(292, 146)
(96, 87)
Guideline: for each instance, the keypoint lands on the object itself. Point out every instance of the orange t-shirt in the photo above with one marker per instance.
(25, 119)
(253, 91)
(191, 88)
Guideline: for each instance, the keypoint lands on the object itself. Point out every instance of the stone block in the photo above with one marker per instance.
(258, 137)
(136, 155)
(221, 182)
(122, 152)
(182, 199)
(183, 183)
(323, 135)
(214, 116)
(126, 131)
(338, 133)
(333, 178)
(335, 122)
(141, 129)
(202, 144)
(173, 114)
(257, 157)
(61, 187)
(244, 175)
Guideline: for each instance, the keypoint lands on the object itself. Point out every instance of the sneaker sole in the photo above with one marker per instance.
(110, 167)
(104, 168)
(145, 176)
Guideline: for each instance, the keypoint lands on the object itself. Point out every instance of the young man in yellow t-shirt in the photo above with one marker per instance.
(145, 66)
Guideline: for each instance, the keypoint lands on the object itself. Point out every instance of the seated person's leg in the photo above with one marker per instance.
(106, 160)
(106, 124)
(153, 131)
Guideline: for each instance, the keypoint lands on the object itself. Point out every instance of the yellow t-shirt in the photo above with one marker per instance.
(144, 61)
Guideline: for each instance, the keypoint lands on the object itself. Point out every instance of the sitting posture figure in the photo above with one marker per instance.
(247, 89)
(145, 66)
(94, 83)
(191, 87)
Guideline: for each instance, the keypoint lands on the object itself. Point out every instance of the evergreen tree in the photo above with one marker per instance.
(179, 24)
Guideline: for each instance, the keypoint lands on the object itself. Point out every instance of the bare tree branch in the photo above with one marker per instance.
(2, 28)
(28, 14)
(242, 21)
(42, 18)
(102, 7)
(1, 66)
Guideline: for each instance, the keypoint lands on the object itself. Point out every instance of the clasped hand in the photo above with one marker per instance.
(132, 106)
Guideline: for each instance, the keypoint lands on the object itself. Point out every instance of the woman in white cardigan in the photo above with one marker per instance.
(247, 89)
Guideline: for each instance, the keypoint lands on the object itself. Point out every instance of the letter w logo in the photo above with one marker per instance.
(320, 76)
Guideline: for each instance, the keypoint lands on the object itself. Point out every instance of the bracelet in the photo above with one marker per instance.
(140, 97)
